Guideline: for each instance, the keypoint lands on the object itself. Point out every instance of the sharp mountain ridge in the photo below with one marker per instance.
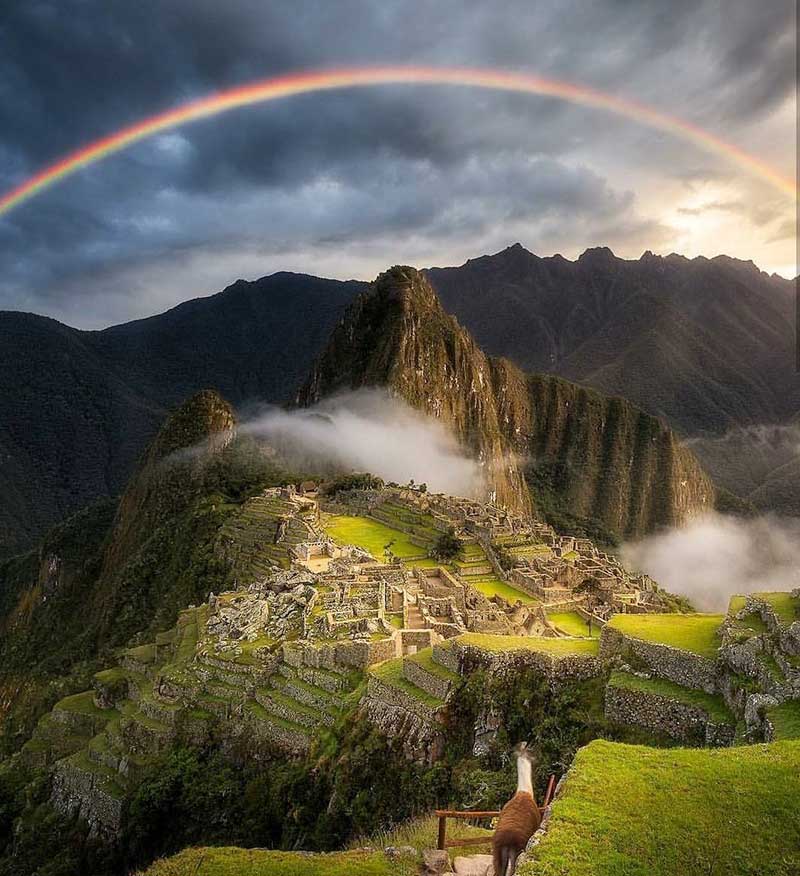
(544, 443)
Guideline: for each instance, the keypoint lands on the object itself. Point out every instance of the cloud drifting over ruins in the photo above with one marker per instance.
(714, 557)
(369, 430)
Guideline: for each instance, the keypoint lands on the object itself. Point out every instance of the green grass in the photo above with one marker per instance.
(111, 676)
(786, 720)
(229, 861)
(491, 586)
(498, 644)
(391, 672)
(736, 603)
(372, 536)
(713, 705)
(82, 703)
(571, 623)
(637, 811)
(422, 833)
(143, 653)
(698, 633)
(785, 606)
(425, 659)
(752, 623)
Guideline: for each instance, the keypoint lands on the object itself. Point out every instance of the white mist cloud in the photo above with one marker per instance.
(715, 556)
(369, 430)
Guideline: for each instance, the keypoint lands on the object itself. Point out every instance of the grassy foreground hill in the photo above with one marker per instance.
(639, 811)
(625, 810)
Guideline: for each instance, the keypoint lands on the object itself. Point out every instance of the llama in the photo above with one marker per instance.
(519, 818)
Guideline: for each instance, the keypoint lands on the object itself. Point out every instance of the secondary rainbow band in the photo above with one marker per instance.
(328, 80)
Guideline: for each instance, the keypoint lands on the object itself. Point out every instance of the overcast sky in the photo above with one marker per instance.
(345, 183)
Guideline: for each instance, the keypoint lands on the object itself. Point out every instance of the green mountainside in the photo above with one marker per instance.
(79, 407)
(119, 569)
(706, 344)
(576, 456)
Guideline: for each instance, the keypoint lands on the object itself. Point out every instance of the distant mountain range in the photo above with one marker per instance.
(706, 344)
(78, 408)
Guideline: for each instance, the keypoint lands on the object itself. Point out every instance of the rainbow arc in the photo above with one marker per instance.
(328, 80)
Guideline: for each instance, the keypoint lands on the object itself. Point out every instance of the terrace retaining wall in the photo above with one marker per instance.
(661, 714)
(682, 667)
(79, 792)
(402, 716)
(433, 684)
(556, 668)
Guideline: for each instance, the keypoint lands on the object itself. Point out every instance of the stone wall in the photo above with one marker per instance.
(339, 655)
(402, 716)
(556, 668)
(660, 714)
(447, 656)
(435, 685)
(257, 733)
(80, 792)
(682, 667)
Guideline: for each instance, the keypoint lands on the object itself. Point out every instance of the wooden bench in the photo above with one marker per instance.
(444, 814)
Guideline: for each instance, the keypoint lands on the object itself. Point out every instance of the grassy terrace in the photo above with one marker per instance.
(498, 644)
(391, 672)
(372, 536)
(713, 705)
(698, 633)
(571, 623)
(227, 861)
(637, 811)
(425, 659)
(784, 605)
(786, 720)
(83, 704)
(491, 585)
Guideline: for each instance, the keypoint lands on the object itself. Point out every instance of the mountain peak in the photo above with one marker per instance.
(597, 254)
(405, 285)
(519, 427)
(204, 418)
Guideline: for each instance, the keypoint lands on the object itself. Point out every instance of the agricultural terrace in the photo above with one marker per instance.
(373, 536)
(785, 606)
(630, 810)
(571, 623)
(491, 585)
(698, 633)
(498, 644)
(713, 705)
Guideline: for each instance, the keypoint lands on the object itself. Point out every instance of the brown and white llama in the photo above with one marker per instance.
(519, 818)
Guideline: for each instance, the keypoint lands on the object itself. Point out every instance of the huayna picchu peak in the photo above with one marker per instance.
(543, 443)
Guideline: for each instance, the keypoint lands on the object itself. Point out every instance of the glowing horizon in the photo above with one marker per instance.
(290, 85)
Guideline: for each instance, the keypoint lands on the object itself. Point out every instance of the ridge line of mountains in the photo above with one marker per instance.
(705, 344)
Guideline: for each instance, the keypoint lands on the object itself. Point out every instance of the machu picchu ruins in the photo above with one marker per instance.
(315, 624)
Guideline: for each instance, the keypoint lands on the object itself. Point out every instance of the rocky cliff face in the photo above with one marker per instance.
(544, 443)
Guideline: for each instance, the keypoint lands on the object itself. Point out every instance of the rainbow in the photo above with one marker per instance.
(329, 80)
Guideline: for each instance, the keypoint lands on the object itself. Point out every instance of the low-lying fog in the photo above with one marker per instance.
(369, 430)
(714, 557)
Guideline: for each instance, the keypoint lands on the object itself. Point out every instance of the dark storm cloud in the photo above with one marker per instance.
(338, 169)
